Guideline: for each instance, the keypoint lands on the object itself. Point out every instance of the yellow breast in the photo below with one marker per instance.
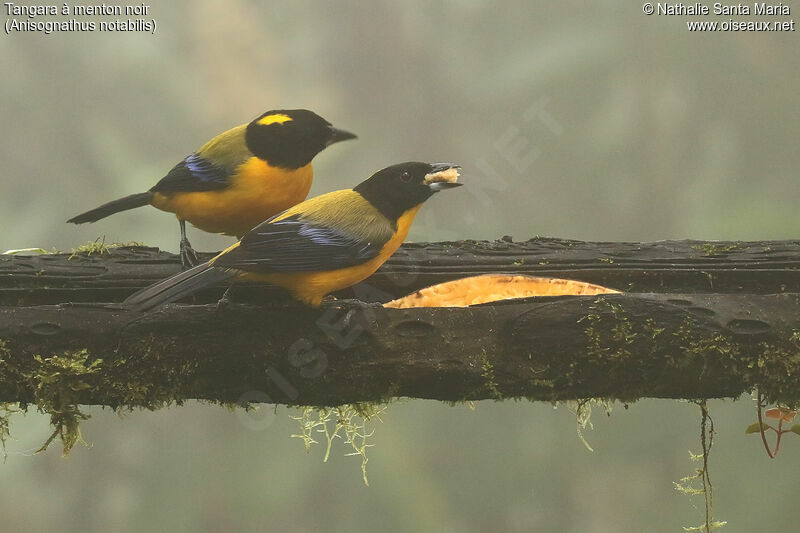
(257, 191)
(311, 287)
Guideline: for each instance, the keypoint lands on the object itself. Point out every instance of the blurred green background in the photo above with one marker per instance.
(586, 121)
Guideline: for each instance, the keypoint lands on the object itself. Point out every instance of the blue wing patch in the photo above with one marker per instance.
(297, 245)
(195, 173)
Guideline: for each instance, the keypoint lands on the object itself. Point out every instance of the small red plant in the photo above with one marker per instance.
(781, 414)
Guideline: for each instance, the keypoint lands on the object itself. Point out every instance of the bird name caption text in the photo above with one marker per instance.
(718, 9)
(69, 17)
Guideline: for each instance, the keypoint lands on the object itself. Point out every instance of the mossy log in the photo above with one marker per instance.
(681, 343)
(622, 346)
(664, 266)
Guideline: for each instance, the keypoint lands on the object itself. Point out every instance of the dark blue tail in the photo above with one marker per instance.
(176, 287)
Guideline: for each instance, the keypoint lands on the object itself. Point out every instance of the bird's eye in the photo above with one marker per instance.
(405, 176)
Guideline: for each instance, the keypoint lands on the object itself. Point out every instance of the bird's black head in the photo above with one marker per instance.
(290, 138)
(396, 189)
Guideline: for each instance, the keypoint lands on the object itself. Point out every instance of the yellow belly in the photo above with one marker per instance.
(311, 287)
(257, 192)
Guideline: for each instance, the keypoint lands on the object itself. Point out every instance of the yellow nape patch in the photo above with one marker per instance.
(277, 118)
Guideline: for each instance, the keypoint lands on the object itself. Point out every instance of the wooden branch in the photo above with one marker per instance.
(623, 346)
(680, 344)
(664, 266)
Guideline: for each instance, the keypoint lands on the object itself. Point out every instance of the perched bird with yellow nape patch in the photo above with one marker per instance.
(319, 246)
(239, 178)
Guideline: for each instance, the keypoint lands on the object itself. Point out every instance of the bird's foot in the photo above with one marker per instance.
(355, 311)
(348, 303)
(226, 301)
(188, 255)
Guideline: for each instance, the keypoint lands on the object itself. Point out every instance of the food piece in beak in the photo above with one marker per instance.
(444, 176)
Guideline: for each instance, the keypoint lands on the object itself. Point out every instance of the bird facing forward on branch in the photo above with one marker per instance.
(319, 246)
(239, 178)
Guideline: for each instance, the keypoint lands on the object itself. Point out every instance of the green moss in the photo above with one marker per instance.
(651, 329)
(56, 381)
(542, 384)
(583, 414)
(782, 364)
(6, 410)
(632, 350)
(99, 247)
(771, 367)
(347, 421)
(489, 380)
(609, 331)
(714, 348)
(702, 476)
(710, 249)
(131, 385)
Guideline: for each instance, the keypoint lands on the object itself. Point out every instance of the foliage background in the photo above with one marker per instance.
(655, 132)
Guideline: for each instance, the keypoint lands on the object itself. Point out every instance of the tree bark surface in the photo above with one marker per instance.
(664, 266)
(708, 320)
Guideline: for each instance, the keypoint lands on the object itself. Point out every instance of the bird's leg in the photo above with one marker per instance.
(188, 255)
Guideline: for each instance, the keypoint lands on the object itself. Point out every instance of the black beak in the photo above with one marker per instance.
(335, 135)
(442, 185)
(441, 167)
